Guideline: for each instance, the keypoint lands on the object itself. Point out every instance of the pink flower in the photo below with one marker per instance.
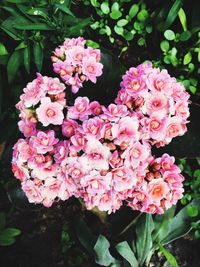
(52, 86)
(75, 55)
(80, 110)
(97, 154)
(23, 150)
(157, 81)
(157, 104)
(32, 192)
(126, 129)
(156, 126)
(44, 141)
(91, 68)
(69, 127)
(50, 112)
(123, 178)
(61, 152)
(158, 189)
(95, 108)
(93, 126)
(27, 127)
(78, 141)
(114, 112)
(19, 171)
(175, 127)
(115, 160)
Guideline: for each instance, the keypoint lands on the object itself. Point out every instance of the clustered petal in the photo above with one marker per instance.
(97, 153)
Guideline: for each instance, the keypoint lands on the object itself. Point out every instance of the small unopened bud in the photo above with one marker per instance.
(149, 176)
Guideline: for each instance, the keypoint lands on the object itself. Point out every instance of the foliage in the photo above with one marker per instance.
(7, 235)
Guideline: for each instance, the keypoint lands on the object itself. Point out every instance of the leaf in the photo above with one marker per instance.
(13, 65)
(115, 6)
(170, 258)
(122, 22)
(76, 29)
(3, 50)
(182, 18)
(85, 236)
(144, 229)
(192, 210)
(118, 30)
(133, 11)
(186, 35)
(64, 9)
(33, 26)
(38, 55)
(115, 14)
(126, 252)
(6, 241)
(27, 58)
(187, 58)
(37, 12)
(11, 232)
(17, 1)
(108, 30)
(169, 35)
(164, 45)
(92, 44)
(94, 3)
(142, 15)
(2, 220)
(105, 8)
(171, 15)
(103, 256)
(180, 225)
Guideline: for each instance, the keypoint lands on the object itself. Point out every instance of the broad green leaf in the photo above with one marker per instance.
(169, 35)
(122, 22)
(118, 30)
(14, 63)
(105, 8)
(170, 258)
(92, 44)
(6, 241)
(126, 252)
(27, 59)
(164, 45)
(144, 228)
(115, 6)
(115, 14)
(142, 15)
(3, 50)
(186, 35)
(33, 26)
(94, 3)
(133, 11)
(192, 210)
(17, 1)
(128, 36)
(11, 232)
(37, 12)
(2, 220)
(180, 225)
(22, 45)
(183, 19)
(38, 55)
(101, 248)
(187, 58)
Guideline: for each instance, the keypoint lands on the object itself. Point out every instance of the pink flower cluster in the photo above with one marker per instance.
(97, 153)
(76, 63)
(162, 101)
(43, 101)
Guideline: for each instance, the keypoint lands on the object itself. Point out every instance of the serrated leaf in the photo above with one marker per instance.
(126, 252)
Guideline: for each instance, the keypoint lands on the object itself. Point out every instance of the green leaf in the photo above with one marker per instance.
(38, 55)
(103, 256)
(133, 11)
(164, 45)
(118, 30)
(27, 59)
(171, 15)
(14, 63)
(128, 36)
(185, 36)
(115, 6)
(3, 50)
(11, 232)
(126, 252)
(105, 8)
(182, 18)
(37, 12)
(170, 258)
(33, 26)
(92, 44)
(192, 210)
(64, 9)
(187, 58)
(115, 14)
(142, 15)
(108, 30)
(144, 229)
(169, 35)
(6, 241)
(17, 1)
(94, 3)
(2, 220)
(22, 45)
(122, 22)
